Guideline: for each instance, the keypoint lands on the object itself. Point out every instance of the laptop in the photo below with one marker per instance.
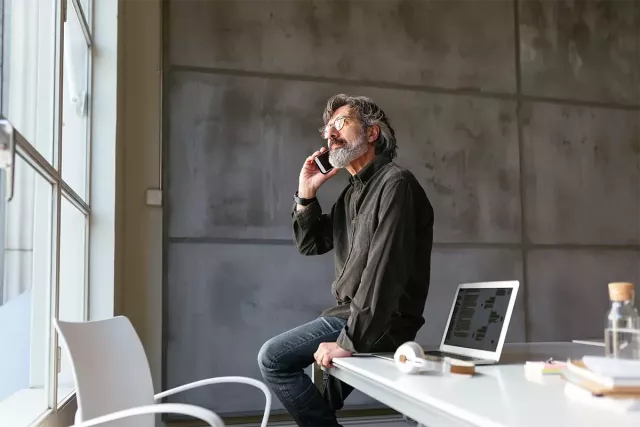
(478, 322)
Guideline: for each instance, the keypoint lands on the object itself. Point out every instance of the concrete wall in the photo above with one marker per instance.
(520, 119)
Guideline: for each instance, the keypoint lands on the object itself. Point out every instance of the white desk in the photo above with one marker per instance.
(499, 395)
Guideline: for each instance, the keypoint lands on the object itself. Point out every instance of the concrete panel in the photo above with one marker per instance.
(464, 151)
(236, 145)
(461, 44)
(224, 301)
(584, 50)
(451, 267)
(568, 297)
(582, 174)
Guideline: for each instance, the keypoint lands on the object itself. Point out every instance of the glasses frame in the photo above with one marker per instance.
(337, 124)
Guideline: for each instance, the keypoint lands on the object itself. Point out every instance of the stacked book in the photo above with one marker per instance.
(606, 382)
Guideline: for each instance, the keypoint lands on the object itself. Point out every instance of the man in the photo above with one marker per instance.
(381, 231)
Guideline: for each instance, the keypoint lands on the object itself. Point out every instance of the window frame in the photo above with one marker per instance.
(48, 305)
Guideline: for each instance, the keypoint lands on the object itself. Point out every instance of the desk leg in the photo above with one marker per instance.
(317, 376)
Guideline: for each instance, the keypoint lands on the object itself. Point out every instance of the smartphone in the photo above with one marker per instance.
(323, 162)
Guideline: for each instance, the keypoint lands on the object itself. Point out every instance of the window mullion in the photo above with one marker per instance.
(87, 242)
(55, 355)
(33, 157)
(89, 129)
(83, 22)
(73, 198)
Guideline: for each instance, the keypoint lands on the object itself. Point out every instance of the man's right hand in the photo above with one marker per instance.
(311, 179)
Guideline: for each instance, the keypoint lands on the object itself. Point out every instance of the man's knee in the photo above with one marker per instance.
(267, 356)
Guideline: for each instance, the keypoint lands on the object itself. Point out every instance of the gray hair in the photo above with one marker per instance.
(369, 114)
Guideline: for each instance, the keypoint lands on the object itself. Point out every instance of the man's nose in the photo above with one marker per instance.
(332, 132)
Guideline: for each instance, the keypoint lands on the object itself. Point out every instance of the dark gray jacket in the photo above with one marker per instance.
(381, 228)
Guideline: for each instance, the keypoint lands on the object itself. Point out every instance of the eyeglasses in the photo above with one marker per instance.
(338, 124)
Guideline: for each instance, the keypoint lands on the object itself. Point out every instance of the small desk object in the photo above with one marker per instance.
(497, 396)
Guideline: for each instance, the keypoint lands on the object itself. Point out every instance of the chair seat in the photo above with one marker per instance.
(113, 381)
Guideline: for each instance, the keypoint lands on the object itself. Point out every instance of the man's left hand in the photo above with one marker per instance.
(327, 351)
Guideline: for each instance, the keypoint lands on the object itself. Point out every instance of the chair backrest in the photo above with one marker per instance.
(110, 368)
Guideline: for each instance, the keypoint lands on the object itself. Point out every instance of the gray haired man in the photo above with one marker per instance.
(381, 232)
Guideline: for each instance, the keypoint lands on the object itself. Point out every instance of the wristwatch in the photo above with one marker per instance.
(302, 201)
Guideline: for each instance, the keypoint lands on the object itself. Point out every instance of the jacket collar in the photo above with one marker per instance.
(367, 172)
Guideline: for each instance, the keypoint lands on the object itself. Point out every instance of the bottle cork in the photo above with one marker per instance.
(620, 291)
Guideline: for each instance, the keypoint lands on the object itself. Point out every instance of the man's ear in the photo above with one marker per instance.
(372, 133)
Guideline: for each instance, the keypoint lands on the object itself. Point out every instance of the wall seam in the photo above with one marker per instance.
(439, 245)
(165, 181)
(471, 92)
(523, 223)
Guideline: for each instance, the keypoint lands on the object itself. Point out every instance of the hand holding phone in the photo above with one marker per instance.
(323, 162)
(315, 171)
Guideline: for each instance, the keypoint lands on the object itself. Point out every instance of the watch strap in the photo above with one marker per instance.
(302, 201)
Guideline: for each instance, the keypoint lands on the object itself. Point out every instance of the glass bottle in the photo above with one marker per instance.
(622, 327)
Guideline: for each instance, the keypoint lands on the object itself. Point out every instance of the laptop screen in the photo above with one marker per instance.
(478, 317)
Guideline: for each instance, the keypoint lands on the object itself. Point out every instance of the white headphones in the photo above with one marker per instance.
(410, 359)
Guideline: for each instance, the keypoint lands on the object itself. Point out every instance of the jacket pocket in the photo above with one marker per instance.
(362, 233)
(385, 343)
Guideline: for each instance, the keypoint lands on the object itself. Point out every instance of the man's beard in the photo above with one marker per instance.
(347, 152)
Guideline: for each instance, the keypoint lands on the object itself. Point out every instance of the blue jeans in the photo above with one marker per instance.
(282, 360)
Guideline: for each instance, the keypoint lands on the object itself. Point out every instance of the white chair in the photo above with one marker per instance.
(113, 380)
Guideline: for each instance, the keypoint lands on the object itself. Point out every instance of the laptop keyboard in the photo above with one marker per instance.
(451, 355)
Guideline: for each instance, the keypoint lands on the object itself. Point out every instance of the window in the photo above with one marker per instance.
(45, 98)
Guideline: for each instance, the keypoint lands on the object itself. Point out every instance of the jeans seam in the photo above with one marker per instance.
(300, 405)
